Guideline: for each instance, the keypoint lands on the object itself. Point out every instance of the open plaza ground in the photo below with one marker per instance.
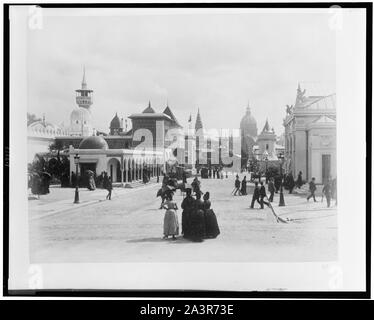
(129, 228)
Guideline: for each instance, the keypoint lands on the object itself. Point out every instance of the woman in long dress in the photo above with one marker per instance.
(188, 205)
(211, 224)
(171, 226)
(197, 221)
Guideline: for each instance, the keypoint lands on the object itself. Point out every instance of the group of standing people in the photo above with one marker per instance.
(198, 219)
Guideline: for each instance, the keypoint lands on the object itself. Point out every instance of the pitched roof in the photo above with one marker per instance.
(115, 123)
(149, 109)
(199, 123)
(169, 113)
(266, 127)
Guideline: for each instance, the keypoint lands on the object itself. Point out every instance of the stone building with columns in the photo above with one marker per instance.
(123, 165)
(310, 134)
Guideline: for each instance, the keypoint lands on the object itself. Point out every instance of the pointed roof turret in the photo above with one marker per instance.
(198, 123)
(169, 113)
(266, 127)
(115, 123)
(149, 109)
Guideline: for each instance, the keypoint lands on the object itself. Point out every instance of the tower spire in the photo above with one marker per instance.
(248, 110)
(84, 95)
(198, 123)
(266, 127)
(84, 84)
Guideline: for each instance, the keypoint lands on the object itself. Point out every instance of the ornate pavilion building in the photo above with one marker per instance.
(310, 135)
(121, 152)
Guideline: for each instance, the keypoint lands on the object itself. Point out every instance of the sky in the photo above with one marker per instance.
(214, 60)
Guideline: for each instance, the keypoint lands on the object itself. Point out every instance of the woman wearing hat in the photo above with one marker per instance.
(197, 220)
(171, 226)
(211, 224)
(188, 205)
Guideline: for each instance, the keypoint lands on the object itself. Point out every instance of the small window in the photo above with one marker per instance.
(76, 121)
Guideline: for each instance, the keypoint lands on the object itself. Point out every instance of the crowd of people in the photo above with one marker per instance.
(287, 182)
(198, 219)
(213, 172)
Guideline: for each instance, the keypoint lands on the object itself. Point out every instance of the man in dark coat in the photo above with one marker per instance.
(237, 186)
(184, 177)
(271, 189)
(263, 195)
(256, 195)
(244, 186)
(312, 189)
(277, 182)
(299, 181)
(109, 187)
(73, 179)
(290, 182)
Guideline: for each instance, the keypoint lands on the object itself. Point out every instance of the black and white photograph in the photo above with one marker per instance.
(187, 148)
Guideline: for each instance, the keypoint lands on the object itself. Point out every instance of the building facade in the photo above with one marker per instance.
(310, 135)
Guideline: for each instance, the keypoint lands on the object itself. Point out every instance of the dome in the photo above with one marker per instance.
(115, 123)
(94, 142)
(80, 116)
(249, 124)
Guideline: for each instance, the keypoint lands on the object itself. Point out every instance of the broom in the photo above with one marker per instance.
(278, 218)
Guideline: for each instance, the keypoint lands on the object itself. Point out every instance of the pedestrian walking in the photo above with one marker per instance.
(312, 189)
(271, 189)
(262, 194)
(237, 186)
(244, 186)
(327, 192)
(108, 186)
(256, 195)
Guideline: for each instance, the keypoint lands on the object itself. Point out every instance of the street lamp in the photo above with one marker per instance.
(76, 161)
(281, 197)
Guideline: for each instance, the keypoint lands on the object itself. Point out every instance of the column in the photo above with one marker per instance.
(126, 170)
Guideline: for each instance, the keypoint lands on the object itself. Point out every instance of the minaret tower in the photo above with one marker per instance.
(84, 95)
